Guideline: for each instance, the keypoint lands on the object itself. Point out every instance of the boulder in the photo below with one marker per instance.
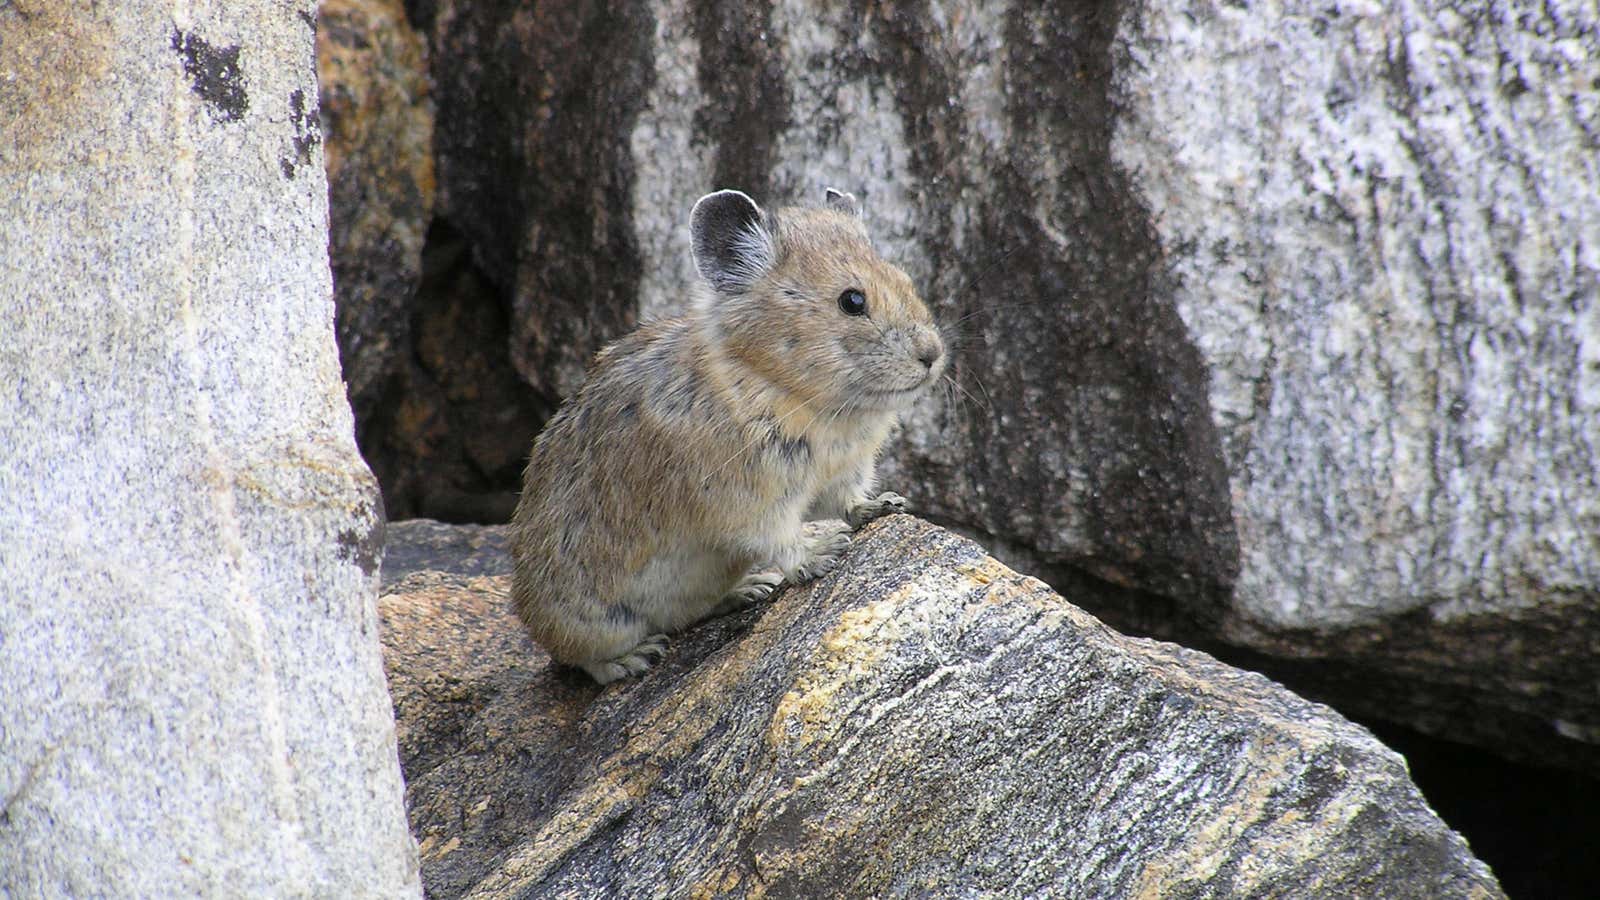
(924, 721)
(1289, 350)
(424, 545)
(1368, 224)
(534, 167)
(191, 693)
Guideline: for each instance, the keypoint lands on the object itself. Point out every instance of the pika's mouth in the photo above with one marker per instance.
(903, 393)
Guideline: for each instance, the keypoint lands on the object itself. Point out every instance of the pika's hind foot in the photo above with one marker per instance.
(885, 504)
(823, 553)
(752, 588)
(637, 661)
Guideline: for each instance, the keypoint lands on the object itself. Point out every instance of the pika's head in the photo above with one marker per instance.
(799, 296)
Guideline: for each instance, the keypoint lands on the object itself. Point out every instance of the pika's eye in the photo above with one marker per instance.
(853, 303)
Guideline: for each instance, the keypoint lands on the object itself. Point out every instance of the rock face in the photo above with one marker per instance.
(423, 545)
(1058, 338)
(441, 413)
(1397, 295)
(191, 694)
(534, 166)
(378, 116)
(925, 721)
(1292, 348)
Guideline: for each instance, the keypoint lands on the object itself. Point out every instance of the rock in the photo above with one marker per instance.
(441, 413)
(191, 694)
(925, 721)
(1401, 323)
(534, 168)
(417, 545)
(377, 114)
(452, 438)
(1161, 265)
(838, 96)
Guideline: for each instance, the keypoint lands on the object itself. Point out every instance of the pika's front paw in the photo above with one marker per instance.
(752, 588)
(825, 551)
(637, 661)
(885, 504)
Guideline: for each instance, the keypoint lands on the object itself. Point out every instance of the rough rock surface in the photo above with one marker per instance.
(191, 691)
(452, 436)
(377, 115)
(924, 721)
(441, 414)
(532, 154)
(1296, 343)
(418, 545)
(1371, 216)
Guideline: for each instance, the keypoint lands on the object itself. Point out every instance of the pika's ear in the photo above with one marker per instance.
(842, 202)
(732, 246)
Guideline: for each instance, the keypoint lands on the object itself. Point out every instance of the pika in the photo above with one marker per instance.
(681, 474)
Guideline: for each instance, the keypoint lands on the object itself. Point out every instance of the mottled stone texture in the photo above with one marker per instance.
(418, 545)
(535, 106)
(191, 696)
(377, 114)
(441, 413)
(1381, 230)
(924, 722)
(1280, 318)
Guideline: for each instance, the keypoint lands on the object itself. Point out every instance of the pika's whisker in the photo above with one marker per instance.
(836, 413)
(987, 407)
(994, 309)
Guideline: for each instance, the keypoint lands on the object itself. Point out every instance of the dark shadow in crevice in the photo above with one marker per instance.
(1536, 827)
(450, 435)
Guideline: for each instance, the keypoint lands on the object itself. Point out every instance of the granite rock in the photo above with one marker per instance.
(191, 692)
(377, 116)
(441, 414)
(575, 200)
(1371, 225)
(924, 721)
(418, 545)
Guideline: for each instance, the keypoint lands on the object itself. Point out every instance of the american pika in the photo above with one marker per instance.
(682, 472)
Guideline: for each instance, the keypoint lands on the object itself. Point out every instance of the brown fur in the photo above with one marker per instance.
(698, 445)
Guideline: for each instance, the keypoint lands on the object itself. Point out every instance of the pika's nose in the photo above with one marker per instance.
(929, 349)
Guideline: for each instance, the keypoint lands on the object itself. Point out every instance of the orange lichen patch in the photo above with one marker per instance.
(591, 810)
(985, 571)
(1211, 846)
(863, 636)
(662, 735)
(724, 882)
(1276, 840)
(295, 475)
